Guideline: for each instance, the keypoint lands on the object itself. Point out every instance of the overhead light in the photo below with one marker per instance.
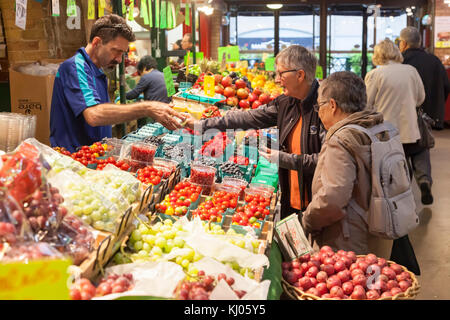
(274, 6)
(206, 10)
(408, 9)
(413, 7)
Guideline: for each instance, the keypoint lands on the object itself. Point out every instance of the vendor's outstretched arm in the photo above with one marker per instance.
(109, 114)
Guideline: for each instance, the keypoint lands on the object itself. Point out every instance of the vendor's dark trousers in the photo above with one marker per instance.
(420, 164)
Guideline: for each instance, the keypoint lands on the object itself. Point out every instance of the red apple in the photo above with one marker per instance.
(257, 91)
(252, 97)
(244, 104)
(232, 101)
(226, 81)
(229, 92)
(264, 98)
(239, 83)
(256, 104)
(242, 93)
(218, 89)
(218, 79)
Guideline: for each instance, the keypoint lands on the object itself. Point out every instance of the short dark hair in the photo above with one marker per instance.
(189, 36)
(347, 88)
(111, 26)
(146, 63)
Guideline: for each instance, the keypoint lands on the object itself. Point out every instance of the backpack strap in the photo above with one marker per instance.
(373, 131)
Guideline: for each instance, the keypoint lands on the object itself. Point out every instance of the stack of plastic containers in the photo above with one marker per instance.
(14, 128)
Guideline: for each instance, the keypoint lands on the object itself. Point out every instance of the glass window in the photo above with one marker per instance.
(255, 33)
(387, 27)
(299, 29)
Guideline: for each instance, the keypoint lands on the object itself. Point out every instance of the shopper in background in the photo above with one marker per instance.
(396, 90)
(81, 112)
(152, 82)
(300, 131)
(432, 72)
(343, 171)
(177, 45)
(186, 44)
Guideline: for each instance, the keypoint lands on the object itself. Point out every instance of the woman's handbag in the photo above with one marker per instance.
(425, 122)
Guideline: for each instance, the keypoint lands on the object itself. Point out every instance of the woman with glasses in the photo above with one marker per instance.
(342, 180)
(301, 133)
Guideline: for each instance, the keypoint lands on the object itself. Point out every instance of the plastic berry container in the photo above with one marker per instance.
(237, 183)
(263, 187)
(203, 175)
(227, 188)
(167, 166)
(144, 152)
(257, 192)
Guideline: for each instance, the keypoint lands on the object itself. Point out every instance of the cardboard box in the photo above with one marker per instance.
(291, 239)
(32, 95)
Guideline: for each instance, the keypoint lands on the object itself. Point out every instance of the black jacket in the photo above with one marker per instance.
(435, 82)
(284, 112)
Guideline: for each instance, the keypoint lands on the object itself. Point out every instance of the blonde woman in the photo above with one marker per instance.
(396, 90)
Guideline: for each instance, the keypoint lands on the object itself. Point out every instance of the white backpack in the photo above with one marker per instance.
(392, 210)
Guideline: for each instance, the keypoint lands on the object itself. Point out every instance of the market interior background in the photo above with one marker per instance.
(341, 33)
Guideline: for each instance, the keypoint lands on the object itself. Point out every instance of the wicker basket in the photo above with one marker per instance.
(410, 294)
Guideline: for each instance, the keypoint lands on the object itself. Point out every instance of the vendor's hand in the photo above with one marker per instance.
(164, 114)
(270, 154)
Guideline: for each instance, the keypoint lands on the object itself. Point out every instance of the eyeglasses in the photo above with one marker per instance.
(318, 105)
(279, 74)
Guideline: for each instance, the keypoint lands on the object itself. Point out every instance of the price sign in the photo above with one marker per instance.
(209, 86)
(35, 280)
(319, 72)
(269, 64)
(168, 79)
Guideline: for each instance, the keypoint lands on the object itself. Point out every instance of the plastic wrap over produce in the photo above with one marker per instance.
(221, 250)
(56, 160)
(118, 186)
(86, 203)
(254, 290)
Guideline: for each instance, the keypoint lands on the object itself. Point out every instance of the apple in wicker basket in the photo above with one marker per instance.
(344, 275)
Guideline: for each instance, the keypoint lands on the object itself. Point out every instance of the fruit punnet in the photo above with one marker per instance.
(204, 176)
(151, 175)
(216, 146)
(178, 201)
(213, 208)
(232, 169)
(142, 154)
(342, 275)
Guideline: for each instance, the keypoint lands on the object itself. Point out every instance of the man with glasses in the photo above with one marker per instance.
(81, 112)
(300, 131)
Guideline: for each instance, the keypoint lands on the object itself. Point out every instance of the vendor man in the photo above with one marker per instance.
(81, 112)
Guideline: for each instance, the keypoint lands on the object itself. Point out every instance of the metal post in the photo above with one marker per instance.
(193, 32)
(364, 45)
(122, 94)
(276, 14)
(323, 37)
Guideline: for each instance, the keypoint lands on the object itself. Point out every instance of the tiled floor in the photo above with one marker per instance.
(431, 240)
